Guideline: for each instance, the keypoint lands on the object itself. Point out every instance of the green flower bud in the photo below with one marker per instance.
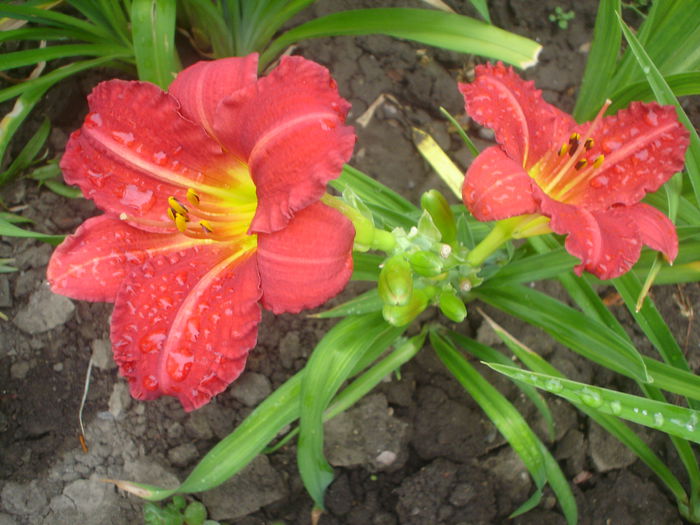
(395, 284)
(425, 263)
(452, 306)
(402, 315)
(437, 206)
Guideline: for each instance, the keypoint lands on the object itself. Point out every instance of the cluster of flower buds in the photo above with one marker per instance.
(426, 266)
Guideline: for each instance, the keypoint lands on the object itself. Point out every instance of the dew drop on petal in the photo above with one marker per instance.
(147, 270)
(123, 137)
(177, 367)
(181, 278)
(160, 158)
(93, 120)
(651, 118)
(610, 145)
(598, 182)
(150, 383)
(152, 342)
(96, 179)
(134, 197)
(192, 329)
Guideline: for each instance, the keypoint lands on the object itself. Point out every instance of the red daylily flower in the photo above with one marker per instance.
(587, 178)
(211, 193)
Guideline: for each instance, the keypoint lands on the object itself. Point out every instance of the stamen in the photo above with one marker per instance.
(192, 197)
(598, 162)
(564, 149)
(180, 222)
(580, 164)
(176, 206)
(171, 214)
(573, 142)
(206, 226)
(588, 144)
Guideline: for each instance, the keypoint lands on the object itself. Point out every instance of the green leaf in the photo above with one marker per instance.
(153, 30)
(366, 266)
(601, 63)
(344, 350)
(435, 28)
(365, 303)
(583, 334)
(482, 8)
(510, 423)
(672, 419)
(29, 57)
(680, 84)
(10, 230)
(29, 152)
(664, 95)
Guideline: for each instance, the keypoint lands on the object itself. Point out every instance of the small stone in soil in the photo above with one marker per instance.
(251, 388)
(45, 311)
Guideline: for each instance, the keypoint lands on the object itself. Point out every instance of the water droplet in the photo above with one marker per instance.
(690, 427)
(651, 118)
(599, 182)
(554, 385)
(122, 137)
(96, 179)
(160, 158)
(93, 120)
(165, 302)
(181, 278)
(610, 145)
(658, 419)
(132, 196)
(646, 70)
(150, 383)
(591, 398)
(192, 330)
(147, 270)
(616, 407)
(174, 258)
(135, 257)
(152, 342)
(177, 367)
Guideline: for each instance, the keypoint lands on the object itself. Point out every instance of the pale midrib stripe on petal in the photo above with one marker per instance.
(515, 105)
(273, 134)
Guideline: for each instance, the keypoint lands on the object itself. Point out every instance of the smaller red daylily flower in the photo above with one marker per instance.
(588, 179)
(211, 193)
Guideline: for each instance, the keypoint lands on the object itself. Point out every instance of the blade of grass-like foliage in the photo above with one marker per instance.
(51, 18)
(586, 336)
(460, 131)
(11, 122)
(153, 30)
(491, 355)
(482, 8)
(510, 423)
(435, 28)
(534, 268)
(105, 13)
(46, 33)
(49, 79)
(371, 191)
(601, 62)
(688, 212)
(439, 161)
(671, 37)
(665, 96)
(340, 353)
(207, 21)
(28, 153)
(671, 419)
(365, 382)
(366, 266)
(30, 57)
(271, 20)
(610, 423)
(365, 303)
(10, 230)
(680, 84)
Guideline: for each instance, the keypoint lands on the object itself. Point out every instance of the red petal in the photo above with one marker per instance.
(525, 125)
(289, 128)
(308, 262)
(92, 263)
(135, 150)
(655, 229)
(643, 147)
(496, 187)
(183, 324)
(201, 87)
(607, 242)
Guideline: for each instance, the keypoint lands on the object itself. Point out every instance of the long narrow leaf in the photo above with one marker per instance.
(435, 28)
(153, 29)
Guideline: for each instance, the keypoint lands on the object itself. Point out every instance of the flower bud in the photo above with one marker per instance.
(395, 284)
(452, 306)
(402, 315)
(425, 263)
(437, 206)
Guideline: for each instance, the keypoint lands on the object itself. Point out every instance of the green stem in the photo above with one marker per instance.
(367, 237)
(501, 232)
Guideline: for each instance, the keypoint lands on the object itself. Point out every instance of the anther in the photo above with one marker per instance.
(176, 206)
(206, 226)
(192, 197)
(180, 222)
(598, 162)
(588, 144)
(564, 148)
(171, 214)
(580, 164)
(573, 143)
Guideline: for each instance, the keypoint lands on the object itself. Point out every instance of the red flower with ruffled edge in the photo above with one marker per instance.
(211, 193)
(588, 178)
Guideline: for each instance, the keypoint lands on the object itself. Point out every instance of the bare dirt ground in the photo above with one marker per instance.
(446, 463)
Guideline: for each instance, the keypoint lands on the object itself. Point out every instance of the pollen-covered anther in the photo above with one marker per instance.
(588, 144)
(206, 226)
(564, 149)
(580, 164)
(573, 143)
(598, 162)
(192, 197)
(176, 206)
(180, 222)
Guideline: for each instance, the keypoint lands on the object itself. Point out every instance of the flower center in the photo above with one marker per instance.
(566, 174)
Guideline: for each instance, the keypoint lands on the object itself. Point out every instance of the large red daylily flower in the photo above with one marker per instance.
(211, 193)
(588, 178)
